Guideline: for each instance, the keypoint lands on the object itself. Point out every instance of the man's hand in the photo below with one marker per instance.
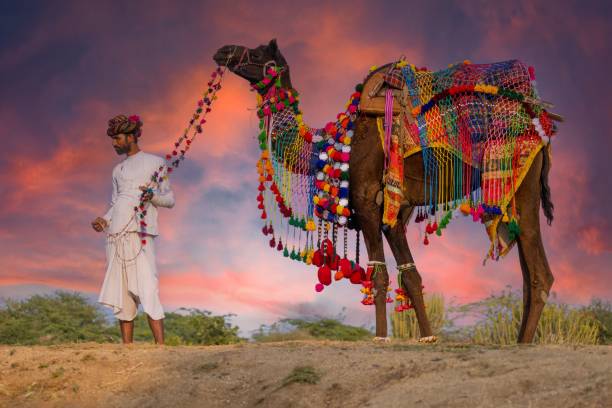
(99, 224)
(148, 193)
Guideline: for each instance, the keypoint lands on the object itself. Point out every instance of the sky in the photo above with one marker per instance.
(67, 67)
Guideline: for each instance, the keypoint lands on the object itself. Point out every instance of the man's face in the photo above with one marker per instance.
(121, 143)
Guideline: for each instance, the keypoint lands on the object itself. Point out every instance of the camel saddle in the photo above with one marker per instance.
(375, 87)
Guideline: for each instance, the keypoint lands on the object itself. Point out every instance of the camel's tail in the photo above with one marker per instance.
(547, 205)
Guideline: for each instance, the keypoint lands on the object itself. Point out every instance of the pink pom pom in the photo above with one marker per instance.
(319, 287)
(352, 109)
(532, 73)
(266, 81)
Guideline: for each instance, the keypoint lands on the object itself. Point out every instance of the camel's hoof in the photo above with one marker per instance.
(381, 339)
(428, 339)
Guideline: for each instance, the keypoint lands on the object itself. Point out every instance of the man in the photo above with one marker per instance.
(131, 273)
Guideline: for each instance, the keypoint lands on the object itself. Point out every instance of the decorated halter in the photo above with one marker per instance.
(183, 143)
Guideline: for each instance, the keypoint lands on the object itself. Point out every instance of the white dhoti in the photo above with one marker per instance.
(131, 277)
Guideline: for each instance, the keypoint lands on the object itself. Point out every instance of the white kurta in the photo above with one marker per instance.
(131, 273)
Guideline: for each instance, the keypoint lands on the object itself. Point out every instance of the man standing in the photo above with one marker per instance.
(131, 272)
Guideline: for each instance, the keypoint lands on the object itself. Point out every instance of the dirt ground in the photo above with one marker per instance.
(337, 374)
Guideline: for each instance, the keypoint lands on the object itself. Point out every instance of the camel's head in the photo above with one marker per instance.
(251, 63)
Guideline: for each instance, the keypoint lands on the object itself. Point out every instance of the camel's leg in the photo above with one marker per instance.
(366, 169)
(411, 279)
(537, 277)
(373, 239)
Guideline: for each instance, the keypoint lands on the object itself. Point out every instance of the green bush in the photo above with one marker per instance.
(50, 319)
(300, 329)
(189, 327)
(602, 311)
(68, 317)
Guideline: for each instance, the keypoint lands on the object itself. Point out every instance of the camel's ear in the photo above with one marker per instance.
(273, 47)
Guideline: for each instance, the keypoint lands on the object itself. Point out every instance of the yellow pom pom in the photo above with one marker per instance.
(326, 188)
(315, 199)
(373, 68)
(505, 218)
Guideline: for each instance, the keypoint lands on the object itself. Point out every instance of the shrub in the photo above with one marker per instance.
(189, 327)
(50, 319)
(300, 329)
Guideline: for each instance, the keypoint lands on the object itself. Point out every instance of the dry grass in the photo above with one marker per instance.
(559, 324)
(405, 325)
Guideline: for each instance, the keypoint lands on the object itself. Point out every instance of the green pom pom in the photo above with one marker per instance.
(286, 253)
(359, 87)
(303, 224)
(439, 232)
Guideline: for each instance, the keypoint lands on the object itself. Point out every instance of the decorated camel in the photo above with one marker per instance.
(471, 140)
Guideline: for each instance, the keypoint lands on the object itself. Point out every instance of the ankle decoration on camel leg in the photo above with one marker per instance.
(370, 290)
(401, 297)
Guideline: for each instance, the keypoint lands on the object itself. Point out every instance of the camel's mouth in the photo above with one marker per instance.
(228, 55)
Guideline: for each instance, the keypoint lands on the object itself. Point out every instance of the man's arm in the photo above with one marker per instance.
(107, 216)
(163, 196)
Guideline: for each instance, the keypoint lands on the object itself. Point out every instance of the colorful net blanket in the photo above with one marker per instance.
(478, 127)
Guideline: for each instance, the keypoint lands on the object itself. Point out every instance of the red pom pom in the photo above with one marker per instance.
(426, 241)
(324, 275)
(319, 287)
(356, 277)
(317, 258)
(144, 242)
(345, 268)
(332, 262)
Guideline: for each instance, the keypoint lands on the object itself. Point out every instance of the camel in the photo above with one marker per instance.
(366, 170)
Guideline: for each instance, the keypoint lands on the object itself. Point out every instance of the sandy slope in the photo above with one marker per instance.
(360, 374)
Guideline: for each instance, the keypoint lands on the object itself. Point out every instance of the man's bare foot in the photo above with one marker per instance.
(428, 339)
(381, 339)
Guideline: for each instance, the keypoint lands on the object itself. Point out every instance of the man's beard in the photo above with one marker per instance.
(122, 150)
